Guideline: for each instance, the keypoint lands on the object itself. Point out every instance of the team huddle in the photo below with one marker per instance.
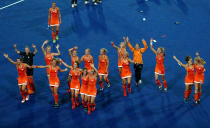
(89, 74)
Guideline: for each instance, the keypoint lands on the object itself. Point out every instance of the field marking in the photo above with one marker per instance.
(11, 4)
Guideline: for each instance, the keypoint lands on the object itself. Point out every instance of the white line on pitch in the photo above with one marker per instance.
(11, 4)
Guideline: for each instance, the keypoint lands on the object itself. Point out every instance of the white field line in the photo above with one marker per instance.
(11, 4)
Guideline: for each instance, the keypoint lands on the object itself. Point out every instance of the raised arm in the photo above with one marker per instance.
(197, 54)
(112, 43)
(129, 45)
(145, 46)
(45, 42)
(35, 49)
(179, 62)
(151, 46)
(125, 40)
(10, 60)
(72, 49)
(16, 50)
(58, 53)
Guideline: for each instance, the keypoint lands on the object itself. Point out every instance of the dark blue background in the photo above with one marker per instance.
(94, 27)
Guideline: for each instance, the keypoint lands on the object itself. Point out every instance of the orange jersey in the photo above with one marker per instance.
(53, 74)
(73, 59)
(84, 86)
(92, 90)
(54, 19)
(199, 75)
(102, 65)
(120, 53)
(160, 69)
(189, 79)
(48, 58)
(22, 79)
(88, 61)
(126, 71)
(137, 53)
(75, 82)
(21, 71)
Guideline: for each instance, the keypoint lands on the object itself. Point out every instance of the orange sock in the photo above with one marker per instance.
(83, 103)
(124, 90)
(89, 107)
(129, 88)
(165, 84)
(158, 82)
(101, 84)
(57, 33)
(73, 102)
(26, 92)
(186, 94)
(199, 95)
(53, 35)
(107, 81)
(22, 94)
(93, 106)
(196, 97)
(77, 100)
(56, 98)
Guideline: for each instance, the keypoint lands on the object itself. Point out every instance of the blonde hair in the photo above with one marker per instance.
(47, 47)
(104, 50)
(200, 60)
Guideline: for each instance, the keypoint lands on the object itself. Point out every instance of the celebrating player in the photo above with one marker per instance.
(54, 20)
(160, 68)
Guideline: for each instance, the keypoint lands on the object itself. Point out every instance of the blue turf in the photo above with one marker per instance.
(94, 27)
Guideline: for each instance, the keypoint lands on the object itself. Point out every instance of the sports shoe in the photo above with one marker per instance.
(101, 89)
(27, 98)
(196, 102)
(54, 41)
(86, 2)
(160, 87)
(108, 85)
(56, 37)
(23, 101)
(165, 89)
(72, 5)
(139, 82)
(199, 100)
(185, 100)
(56, 105)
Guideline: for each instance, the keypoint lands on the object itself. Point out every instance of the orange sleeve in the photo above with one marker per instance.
(130, 46)
(145, 46)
